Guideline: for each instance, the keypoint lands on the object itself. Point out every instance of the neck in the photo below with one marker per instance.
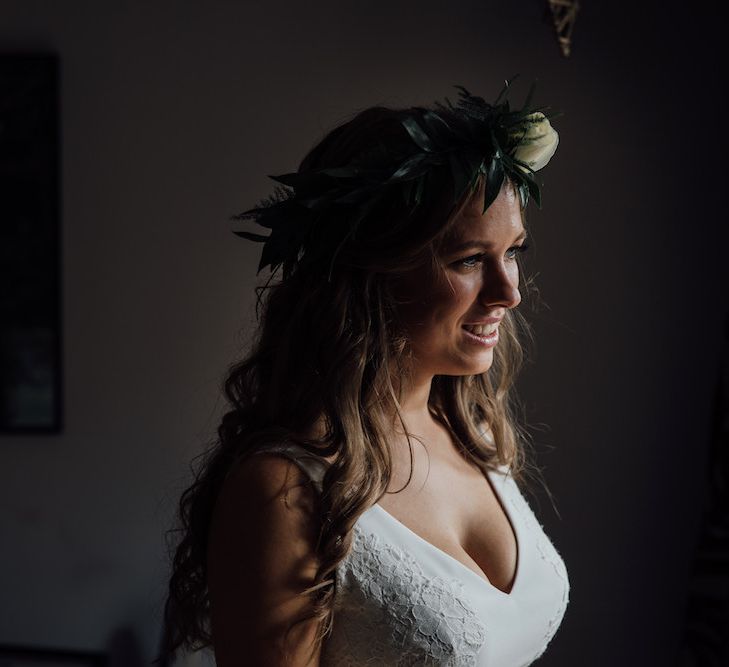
(414, 403)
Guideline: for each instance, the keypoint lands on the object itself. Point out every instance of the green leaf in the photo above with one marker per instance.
(287, 179)
(505, 90)
(419, 187)
(274, 251)
(260, 238)
(250, 213)
(358, 197)
(469, 138)
(312, 203)
(411, 168)
(530, 94)
(437, 126)
(495, 179)
(417, 135)
(461, 176)
(520, 168)
(534, 191)
(305, 180)
(341, 172)
(523, 194)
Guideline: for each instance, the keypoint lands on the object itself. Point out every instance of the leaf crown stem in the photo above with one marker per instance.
(464, 141)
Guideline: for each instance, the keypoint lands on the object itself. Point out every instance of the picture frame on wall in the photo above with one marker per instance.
(30, 296)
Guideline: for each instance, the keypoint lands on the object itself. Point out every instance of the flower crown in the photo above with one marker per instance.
(469, 139)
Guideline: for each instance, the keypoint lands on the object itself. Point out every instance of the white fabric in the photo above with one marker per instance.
(403, 602)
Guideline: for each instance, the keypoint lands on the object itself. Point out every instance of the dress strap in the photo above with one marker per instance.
(314, 466)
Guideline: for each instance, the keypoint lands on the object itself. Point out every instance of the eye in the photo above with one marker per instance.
(512, 252)
(470, 262)
(474, 261)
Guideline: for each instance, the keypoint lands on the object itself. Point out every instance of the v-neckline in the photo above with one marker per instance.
(483, 579)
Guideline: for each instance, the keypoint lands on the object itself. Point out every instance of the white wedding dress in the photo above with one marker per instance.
(403, 602)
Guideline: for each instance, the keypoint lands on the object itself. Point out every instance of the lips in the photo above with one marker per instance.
(481, 329)
(484, 334)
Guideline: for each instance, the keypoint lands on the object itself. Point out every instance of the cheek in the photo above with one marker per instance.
(424, 303)
(448, 302)
(462, 291)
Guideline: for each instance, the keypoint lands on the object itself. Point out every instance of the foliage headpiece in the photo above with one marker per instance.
(464, 141)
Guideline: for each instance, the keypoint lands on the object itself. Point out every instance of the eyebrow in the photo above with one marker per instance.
(473, 243)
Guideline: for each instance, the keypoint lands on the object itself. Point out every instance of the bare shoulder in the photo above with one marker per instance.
(261, 556)
(266, 481)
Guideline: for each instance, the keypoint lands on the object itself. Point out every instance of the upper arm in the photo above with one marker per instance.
(260, 557)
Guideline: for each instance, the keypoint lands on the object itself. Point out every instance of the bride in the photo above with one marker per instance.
(362, 502)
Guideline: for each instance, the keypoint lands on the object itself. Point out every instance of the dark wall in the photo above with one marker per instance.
(633, 266)
(172, 115)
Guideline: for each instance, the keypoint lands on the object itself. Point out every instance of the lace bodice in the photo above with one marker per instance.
(403, 602)
(430, 619)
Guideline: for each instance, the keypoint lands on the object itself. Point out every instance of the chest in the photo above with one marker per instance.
(402, 601)
(450, 503)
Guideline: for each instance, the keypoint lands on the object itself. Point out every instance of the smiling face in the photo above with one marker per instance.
(451, 317)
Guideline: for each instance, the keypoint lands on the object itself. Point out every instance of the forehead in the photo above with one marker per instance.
(502, 222)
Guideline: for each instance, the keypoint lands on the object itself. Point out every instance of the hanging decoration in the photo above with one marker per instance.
(564, 15)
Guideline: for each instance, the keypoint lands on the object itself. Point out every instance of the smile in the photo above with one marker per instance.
(482, 334)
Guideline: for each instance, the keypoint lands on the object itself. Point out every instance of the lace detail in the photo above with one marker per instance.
(395, 615)
(549, 554)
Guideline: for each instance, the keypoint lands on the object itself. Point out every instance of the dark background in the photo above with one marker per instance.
(172, 115)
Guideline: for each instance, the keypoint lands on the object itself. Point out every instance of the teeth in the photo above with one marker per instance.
(481, 329)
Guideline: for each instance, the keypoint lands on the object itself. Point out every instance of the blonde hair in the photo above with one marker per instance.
(320, 374)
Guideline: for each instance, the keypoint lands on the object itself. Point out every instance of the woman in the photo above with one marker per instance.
(361, 505)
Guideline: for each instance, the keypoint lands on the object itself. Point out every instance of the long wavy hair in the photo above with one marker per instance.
(322, 373)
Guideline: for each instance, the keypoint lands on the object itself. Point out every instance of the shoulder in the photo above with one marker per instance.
(261, 556)
(263, 487)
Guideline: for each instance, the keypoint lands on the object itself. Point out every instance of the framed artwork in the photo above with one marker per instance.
(15, 656)
(30, 309)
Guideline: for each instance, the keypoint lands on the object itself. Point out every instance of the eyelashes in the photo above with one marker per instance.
(475, 260)
(515, 250)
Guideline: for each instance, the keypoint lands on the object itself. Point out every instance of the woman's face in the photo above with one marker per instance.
(452, 320)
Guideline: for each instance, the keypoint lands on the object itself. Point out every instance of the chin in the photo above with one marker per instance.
(474, 367)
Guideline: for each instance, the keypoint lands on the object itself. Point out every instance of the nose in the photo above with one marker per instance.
(500, 286)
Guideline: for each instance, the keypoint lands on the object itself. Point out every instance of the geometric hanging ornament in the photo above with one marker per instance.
(564, 14)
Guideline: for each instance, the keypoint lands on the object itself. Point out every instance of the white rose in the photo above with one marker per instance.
(538, 144)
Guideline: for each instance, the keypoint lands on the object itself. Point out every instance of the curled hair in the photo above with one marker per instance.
(321, 374)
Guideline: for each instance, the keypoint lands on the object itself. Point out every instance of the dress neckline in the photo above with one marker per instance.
(496, 487)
